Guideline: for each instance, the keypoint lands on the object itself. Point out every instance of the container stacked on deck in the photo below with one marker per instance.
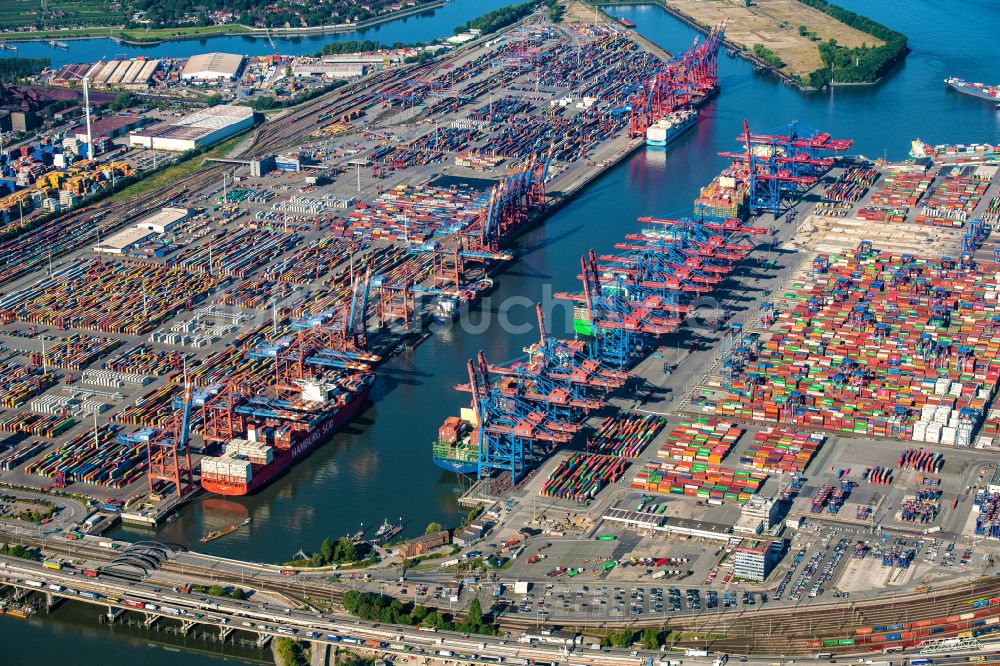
(725, 198)
(110, 462)
(874, 347)
(108, 297)
(581, 476)
(20, 382)
(701, 441)
(625, 434)
(782, 451)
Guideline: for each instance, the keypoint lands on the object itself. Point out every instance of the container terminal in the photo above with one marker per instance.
(822, 430)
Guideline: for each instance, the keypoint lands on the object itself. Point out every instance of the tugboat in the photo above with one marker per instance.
(445, 309)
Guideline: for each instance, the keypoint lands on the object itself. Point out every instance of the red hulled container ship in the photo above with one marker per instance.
(281, 432)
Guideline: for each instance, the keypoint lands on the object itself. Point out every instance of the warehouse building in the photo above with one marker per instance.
(108, 127)
(371, 59)
(213, 67)
(197, 130)
(124, 240)
(423, 544)
(753, 559)
(328, 70)
(164, 219)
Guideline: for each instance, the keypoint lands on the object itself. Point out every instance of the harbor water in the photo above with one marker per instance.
(422, 27)
(380, 466)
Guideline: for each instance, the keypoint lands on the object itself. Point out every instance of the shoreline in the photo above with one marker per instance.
(116, 33)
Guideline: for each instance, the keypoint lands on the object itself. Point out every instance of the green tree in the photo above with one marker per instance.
(433, 527)
(623, 638)
(345, 550)
(650, 639)
(803, 30)
(326, 550)
(475, 612)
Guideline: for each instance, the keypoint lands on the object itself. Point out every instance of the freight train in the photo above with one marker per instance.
(896, 637)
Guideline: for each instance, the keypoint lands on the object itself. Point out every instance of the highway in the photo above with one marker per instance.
(268, 619)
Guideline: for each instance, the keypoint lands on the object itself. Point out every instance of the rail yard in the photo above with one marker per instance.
(772, 433)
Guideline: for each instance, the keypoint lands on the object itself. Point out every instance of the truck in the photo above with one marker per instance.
(450, 563)
(522, 587)
(659, 574)
(721, 661)
(690, 652)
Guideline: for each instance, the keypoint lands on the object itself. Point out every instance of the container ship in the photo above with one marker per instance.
(980, 90)
(457, 446)
(290, 430)
(670, 127)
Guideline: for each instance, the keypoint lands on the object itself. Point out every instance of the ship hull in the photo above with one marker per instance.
(674, 134)
(972, 91)
(280, 465)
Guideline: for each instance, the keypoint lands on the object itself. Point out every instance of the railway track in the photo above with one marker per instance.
(29, 251)
(778, 630)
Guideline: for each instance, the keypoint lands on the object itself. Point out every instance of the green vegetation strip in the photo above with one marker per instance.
(860, 64)
(379, 608)
(497, 19)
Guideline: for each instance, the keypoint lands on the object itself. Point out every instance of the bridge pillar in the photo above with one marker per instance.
(151, 619)
(224, 632)
(263, 639)
(186, 627)
(113, 614)
(51, 601)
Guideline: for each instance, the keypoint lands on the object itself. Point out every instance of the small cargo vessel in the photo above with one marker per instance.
(387, 530)
(670, 127)
(228, 529)
(625, 22)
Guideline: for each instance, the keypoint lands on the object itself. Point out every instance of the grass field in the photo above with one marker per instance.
(176, 172)
(775, 24)
(138, 35)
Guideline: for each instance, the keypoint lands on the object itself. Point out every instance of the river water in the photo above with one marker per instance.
(380, 466)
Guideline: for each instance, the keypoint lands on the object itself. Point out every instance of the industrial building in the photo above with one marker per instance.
(164, 219)
(124, 240)
(756, 515)
(423, 544)
(328, 70)
(753, 559)
(213, 67)
(197, 130)
(372, 59)
(108, 127)
(115, 73)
